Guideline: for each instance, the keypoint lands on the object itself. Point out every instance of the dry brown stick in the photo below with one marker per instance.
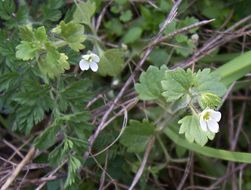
(101, 15)
(16, 150)
(102, 178)
(19, 167)
(182, 30)
(143, 163)
(52, 173)
(188, 166)
(211, 44)
(240, 167)
(240, 123)
(167, 21)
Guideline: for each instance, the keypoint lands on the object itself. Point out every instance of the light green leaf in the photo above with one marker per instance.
(191, 128)
(149, 87)
(137, 135)
(207, 82)
(53, 63)
(188, 21)
(111, 62)
(26, 51)
(72, 33)
(126, 16)
(185, 47)
(74, 165)
(84, 12)
(181, 103)
(181, 38)
(132, 35)
(40, 34)
(176, 84)
(33, 42)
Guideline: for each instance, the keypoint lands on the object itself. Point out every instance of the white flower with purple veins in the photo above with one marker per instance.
(88, 61)
(209, 120)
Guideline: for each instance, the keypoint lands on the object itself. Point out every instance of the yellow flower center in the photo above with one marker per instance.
(206, 116)
(90, 59)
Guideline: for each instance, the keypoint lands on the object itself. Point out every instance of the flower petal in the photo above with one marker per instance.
(203, 124)
(86, 57)
(84, 65)
(94, 66)
(213, 126)
(216, 115)
(95, 57)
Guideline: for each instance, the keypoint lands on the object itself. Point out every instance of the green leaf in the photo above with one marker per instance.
(26, 51)
(111, 62)
(48, 137)
(74, 165)
(40, 34)
(126, 16)
(191, 128)
(159, 57)
(234, 69)
(7, 8)
(181, 103)
(171, 27)
(84, 12)
(33, 42)
(207, 82)
(8, 80)
(72, 33)
(188, 21)
(132, 35)
(74, 94)
(51, 10)
(208, 151)
(114, 26)
(149, 86)
(176, 84)
(185, 46)
(26, 33)
(31, 104)
(53, 63)
(137, 135)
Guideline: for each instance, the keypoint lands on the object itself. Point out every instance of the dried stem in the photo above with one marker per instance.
(19, 167)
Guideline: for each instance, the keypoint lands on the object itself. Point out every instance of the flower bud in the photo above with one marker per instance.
(209, 100)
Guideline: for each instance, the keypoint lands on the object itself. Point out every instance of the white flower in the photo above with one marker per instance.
(88, 61)
(209, 120)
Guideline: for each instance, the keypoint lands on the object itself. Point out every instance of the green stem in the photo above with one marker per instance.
(3, 121)
(59, 43)
(242, 157)
(168, 157)
(195, 112)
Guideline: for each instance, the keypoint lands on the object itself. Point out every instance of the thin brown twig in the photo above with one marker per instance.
(16, 150)
(188, 166)
(101, 15)
(212, 43)
(182, 30)
(19, 167)
(143, 163)
(52, 173)
(240, 167)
